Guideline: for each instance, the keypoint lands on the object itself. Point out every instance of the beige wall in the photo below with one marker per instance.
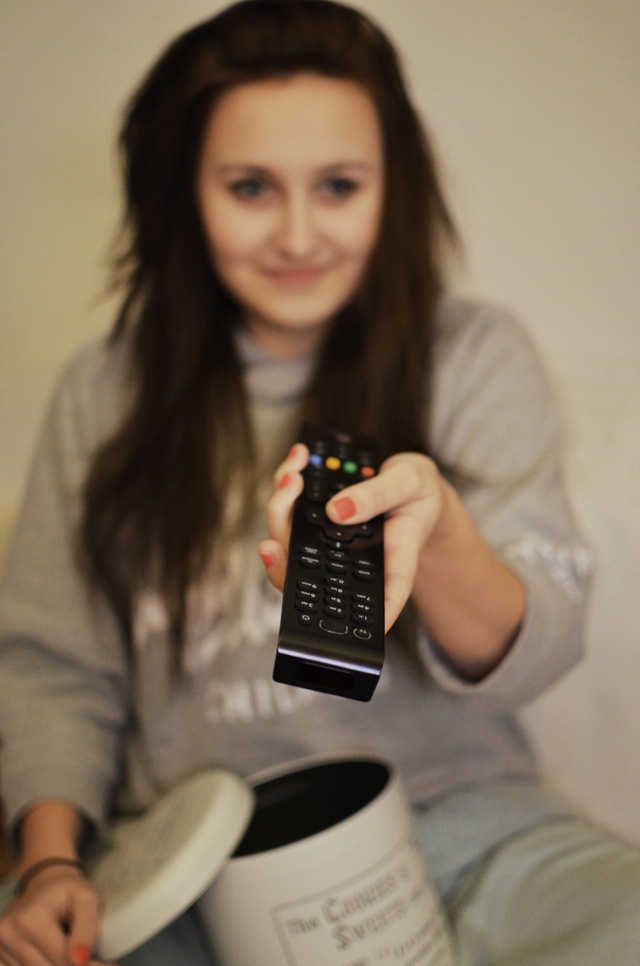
(535, 103)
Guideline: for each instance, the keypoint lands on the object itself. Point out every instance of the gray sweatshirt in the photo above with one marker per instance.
(82, 722)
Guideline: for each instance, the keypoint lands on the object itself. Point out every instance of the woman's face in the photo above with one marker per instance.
(290, 188)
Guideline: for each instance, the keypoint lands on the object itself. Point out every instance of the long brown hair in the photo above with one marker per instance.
(156, 490)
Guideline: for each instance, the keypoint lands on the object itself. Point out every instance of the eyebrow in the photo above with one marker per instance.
(237, 167)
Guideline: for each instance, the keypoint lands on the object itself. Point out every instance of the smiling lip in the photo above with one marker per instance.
(296, 277)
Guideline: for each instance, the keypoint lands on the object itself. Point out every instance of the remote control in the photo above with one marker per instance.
(331, 635)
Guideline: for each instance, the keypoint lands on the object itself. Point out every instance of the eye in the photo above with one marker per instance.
(248, 189)
(339, 187)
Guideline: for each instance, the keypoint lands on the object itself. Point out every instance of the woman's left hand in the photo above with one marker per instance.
(408, 490)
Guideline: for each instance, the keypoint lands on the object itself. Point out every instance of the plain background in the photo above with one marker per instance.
(535, 108)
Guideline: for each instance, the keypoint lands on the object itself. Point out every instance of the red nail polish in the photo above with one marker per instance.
(79, 955)
(292, 451)
(344, 507)
(268, 559)
(285, 480)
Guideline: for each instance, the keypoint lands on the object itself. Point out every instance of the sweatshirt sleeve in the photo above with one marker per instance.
(63, 667)
(496, 427)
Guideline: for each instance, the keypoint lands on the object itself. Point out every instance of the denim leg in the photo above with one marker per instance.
(562, 893)
(181, 943)
(525, 882)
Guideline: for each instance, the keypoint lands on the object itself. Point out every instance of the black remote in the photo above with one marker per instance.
(332, 627)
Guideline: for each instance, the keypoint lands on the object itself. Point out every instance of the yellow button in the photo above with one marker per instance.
(332, 463)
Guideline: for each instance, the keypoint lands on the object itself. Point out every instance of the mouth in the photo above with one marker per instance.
(296, 277)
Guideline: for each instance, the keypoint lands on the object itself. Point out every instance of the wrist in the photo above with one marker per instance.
(449, 535)
(51, 867)
(50, 829)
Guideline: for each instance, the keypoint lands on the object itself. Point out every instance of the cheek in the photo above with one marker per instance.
(230, 236)
(361, 230)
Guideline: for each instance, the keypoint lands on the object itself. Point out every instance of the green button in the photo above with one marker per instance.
(349, 466)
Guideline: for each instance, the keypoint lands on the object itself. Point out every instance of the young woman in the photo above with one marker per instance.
(284, 260)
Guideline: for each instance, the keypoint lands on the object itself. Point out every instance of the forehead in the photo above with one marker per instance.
(307, 117)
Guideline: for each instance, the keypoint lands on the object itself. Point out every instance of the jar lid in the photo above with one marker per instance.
(160, 864)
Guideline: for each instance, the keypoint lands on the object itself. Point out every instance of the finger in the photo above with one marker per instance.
(402, 479)
(278, 509)
(403, 539)
(27, 954)
(6, 956)
(295, 462)
(397, 590)
(274, 558)
(83, 925)
(31, 938)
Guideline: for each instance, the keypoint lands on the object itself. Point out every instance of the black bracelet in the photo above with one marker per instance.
(38, 867)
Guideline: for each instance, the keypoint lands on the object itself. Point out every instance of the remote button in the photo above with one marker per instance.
(335, 583)
(362, 598)
(363, 529)
(335, 599)
(362, 564)
(367, 472)
(332, 463)
(306, 606)
(362, 609)
(309, 551)
(306, 620)
(338, 556)
(335, 595)
(350, 467)
(314, 515)
(306, 595)
(362, 633)
(332, 611)
(334, 532)
(307, 585)
(365, 620)
(363, 575)
(315, 459)
(311, 563)
(336, 544)
(333, 626)
(337, 568)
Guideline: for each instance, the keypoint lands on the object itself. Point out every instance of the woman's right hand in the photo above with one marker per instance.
(53, 923)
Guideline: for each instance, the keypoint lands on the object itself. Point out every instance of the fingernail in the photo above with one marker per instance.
(344, 507)
(292, 451)
(80, 955)
(267, 558)
(286, 479)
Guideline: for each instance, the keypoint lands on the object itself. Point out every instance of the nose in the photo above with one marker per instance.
(297, 234)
